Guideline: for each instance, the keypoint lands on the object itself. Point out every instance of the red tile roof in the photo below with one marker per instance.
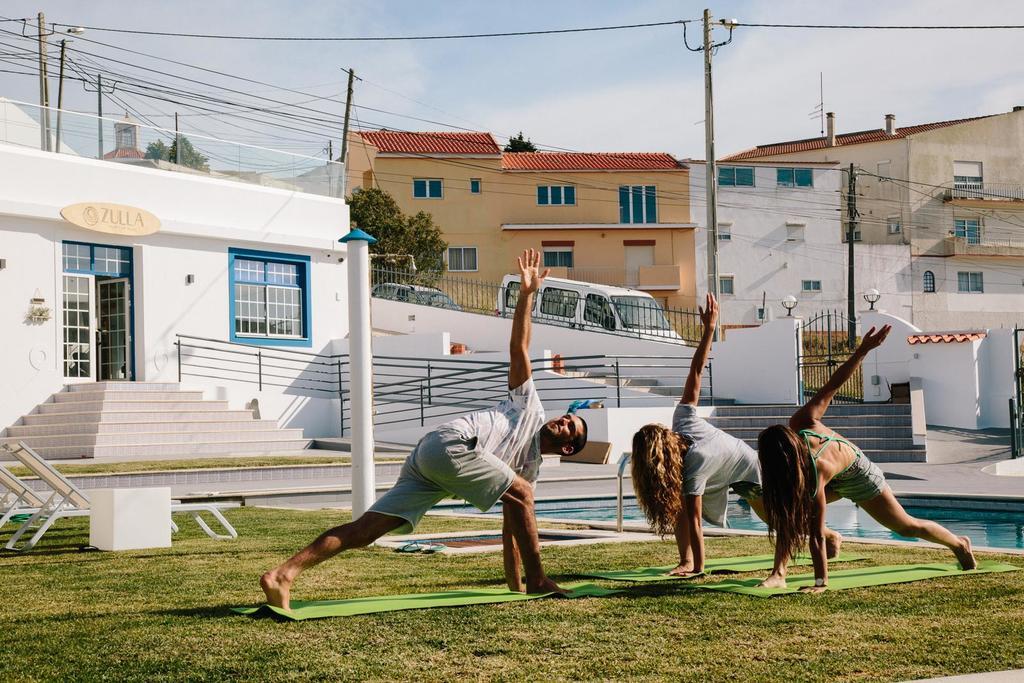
(858, 138)
(589, 161)
(946, 337)
(124, 153)
(396, 142)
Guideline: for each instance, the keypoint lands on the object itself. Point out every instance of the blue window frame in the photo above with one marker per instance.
(556, 195)
(97, 259)
(474, 185)
(735, 176)
(794, 177)
(269, 298)
(638, 204)
(427, 188)
(968, 229)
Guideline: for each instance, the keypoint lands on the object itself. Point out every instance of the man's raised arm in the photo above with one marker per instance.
(530, 281)
(709, 317)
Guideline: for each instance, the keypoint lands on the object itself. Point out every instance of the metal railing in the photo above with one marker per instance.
(422, 390)
(130, 142)
(983, 190)
(623, 316)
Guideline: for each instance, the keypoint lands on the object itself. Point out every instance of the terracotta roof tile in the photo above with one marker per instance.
(589, 161)
(946, 338)
(398, 142)
(858, 138)
(124, 153)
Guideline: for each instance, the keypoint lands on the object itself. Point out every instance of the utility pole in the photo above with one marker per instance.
(330, 151)
(60, 89)
(851, 228)
(711, 182)
(344, 132)
(177, 141)
(44, 89)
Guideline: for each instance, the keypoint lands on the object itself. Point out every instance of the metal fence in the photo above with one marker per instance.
(1017, 402)
(826, 346)
(637, 316)
(417, 391)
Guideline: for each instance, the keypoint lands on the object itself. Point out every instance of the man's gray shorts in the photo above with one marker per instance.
(444, 464)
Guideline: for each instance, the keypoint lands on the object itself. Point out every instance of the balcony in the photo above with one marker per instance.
(960, 246)
(126, 141)
(975, 191)
(648, 278)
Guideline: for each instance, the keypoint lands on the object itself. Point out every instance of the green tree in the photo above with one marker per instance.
(190, 156)
(399, 235)
(520, 144)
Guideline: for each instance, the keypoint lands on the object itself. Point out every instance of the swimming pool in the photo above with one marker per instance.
(984, 528)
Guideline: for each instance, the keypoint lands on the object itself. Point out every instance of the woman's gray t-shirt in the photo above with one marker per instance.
(714, 461)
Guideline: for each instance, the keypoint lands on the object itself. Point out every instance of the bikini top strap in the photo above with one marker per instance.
(824, 441)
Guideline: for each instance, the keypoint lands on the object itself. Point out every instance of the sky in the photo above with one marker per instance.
(631, 90)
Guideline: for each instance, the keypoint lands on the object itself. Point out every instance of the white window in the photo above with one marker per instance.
(884, 170)
(895, 227)
(558, 257)
(725, 232)
(810, 286)
(726, 285)
(795, 231)
(970, 282)
(929, 282)
(270, 295)
(556, 195)
(856, 234)
(638, 204)
(967, 229)
(967, 179)
(462, 259)
(427, 188)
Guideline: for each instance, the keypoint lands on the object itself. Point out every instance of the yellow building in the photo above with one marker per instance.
(612, 218)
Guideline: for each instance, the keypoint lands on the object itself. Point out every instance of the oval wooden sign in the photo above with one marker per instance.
(113, 219)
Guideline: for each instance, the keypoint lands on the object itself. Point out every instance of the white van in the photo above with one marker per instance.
(593, 307)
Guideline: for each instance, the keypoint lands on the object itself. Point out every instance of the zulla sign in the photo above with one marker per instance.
(114, 219)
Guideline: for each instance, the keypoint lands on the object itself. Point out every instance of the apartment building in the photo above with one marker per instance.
(953, 192)
(612, 218)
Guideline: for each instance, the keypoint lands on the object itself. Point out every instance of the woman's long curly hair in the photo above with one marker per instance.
(787, 486)
(657, 467)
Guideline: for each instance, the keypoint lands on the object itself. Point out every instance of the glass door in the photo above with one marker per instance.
(79, 328)
(114, 337)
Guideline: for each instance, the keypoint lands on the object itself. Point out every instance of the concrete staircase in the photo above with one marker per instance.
(883, 431)
(146, 421)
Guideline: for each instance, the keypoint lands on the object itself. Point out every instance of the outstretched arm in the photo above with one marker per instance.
(812, 411)
(510, 554)
(709, 317)
(530, 280)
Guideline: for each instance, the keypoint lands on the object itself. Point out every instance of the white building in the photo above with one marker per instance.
(103, 264)
(778, 231)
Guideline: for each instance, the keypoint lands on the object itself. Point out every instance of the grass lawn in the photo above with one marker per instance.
(163, 615)
(201, 464)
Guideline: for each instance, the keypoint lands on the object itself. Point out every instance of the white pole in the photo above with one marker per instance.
(360, 357)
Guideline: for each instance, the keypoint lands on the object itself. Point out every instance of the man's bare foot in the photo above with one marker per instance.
(965, 554)
(833, 544)
(277, 590)
(773, 581)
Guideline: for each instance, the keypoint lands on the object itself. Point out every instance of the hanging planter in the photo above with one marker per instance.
(38, 314)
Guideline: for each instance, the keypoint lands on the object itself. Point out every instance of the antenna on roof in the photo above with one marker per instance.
(819, 111)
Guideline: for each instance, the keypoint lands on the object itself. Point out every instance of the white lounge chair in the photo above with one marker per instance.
(19, 499)
(67, 500)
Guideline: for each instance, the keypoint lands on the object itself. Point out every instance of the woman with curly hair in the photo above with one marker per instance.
(684, 474)
(806, 465)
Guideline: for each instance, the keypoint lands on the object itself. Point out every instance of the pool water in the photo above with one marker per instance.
(984, 528)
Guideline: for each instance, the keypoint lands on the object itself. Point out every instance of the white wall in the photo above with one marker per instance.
(996, 378)
(890, 362)
(766, 263)
(949, 379)
(759, 364)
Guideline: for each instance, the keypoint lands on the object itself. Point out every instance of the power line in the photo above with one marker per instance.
(879, 27)
(505, 34)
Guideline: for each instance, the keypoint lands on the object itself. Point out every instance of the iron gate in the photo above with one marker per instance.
(826, 346)
(1017, 402)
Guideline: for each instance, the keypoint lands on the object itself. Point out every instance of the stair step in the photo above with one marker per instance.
(137, 416)
(124, 386)
(836, 409)
(835, 422)
(58, 429)
(94, 406)
(167, 451)
(852, 433)
(112, 395)
(867, 444)
(144, 437)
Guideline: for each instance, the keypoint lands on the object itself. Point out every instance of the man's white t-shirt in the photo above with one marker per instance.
(509, 430)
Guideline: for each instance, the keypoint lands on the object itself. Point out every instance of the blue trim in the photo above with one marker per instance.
(304, 263)
(93, 297)
(355, 234)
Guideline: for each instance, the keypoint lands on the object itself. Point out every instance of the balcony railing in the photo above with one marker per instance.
(129, 142)
(984, 246)
(982, 190)
(642, 277)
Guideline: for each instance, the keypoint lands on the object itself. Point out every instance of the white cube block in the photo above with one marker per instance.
(130, 519)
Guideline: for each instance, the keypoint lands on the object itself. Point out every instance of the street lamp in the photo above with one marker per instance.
(872, 296)
(789, 303)
(75, 31)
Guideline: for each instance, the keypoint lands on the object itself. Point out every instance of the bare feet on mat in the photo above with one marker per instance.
(545, 585)
(773, 581)
(833, 544)
(965, 554)
(277, 590)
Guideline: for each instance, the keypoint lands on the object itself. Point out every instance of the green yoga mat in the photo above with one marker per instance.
(861, 577)
(752, 563)
(394, 603)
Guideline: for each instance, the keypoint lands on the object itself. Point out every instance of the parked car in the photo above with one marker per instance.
(618, 310)
(414, 294)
